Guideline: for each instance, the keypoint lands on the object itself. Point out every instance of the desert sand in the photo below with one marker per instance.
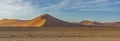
(60, 34)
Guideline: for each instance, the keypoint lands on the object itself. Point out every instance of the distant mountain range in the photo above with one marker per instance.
(46, 20)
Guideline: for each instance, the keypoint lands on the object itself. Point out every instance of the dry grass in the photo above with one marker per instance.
(60, 34)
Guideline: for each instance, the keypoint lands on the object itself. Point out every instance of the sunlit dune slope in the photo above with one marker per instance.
(37, 22)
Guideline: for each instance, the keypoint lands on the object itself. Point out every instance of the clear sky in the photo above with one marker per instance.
(67, 10)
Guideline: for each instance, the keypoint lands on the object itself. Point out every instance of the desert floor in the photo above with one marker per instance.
(60, 34)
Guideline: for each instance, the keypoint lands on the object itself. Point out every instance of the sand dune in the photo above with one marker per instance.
(42, 20)
(46, 20)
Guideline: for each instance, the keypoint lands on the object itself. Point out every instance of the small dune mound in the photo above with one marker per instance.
(87, 23)
(10, 22)
(6, 21)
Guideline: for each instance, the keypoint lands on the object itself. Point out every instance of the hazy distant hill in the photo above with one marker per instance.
(112, 24)
(91, 23)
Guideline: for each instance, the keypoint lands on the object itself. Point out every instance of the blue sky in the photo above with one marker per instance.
(67, 10)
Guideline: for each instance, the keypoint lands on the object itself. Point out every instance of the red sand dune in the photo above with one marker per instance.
(88, 23)
(43, 20)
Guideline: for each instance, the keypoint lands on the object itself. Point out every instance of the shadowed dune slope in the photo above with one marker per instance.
(51, 22)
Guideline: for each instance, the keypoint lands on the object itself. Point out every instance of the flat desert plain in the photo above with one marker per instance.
(60, 34)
